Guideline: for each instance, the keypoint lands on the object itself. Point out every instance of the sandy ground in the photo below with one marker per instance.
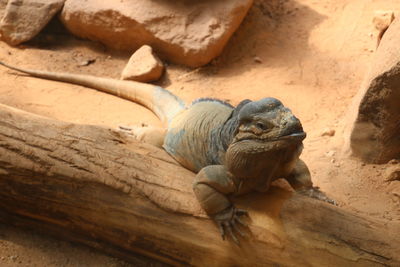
(310, 54)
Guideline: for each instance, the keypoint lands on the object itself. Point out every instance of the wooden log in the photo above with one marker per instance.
(94, 185)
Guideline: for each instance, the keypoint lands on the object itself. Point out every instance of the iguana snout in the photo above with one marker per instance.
(290, 127)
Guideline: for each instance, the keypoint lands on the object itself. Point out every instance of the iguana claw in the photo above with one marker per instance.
(314, 192)
(228, 220)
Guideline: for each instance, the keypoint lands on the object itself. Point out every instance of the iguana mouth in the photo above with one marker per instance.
(297, 136)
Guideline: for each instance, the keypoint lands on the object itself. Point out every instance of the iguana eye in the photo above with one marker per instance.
(261, 126)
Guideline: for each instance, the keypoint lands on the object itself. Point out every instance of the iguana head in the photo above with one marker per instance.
(268, 139)
(268, 120)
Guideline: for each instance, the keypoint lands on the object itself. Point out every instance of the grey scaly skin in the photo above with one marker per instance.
(236, 151)
(233, 150)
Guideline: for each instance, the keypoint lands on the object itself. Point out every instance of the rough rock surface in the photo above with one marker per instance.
(23, 19)
(382, 20)
(375, 134)
(3, 4)
(184, 31)
(143, 66)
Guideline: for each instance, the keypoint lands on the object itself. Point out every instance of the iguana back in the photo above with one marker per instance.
(193, 134)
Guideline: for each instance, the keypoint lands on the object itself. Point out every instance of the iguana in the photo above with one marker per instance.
(233, 150)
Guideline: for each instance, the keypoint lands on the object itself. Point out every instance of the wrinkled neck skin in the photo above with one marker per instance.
(229, 130)
(223, 136)
(253, 159)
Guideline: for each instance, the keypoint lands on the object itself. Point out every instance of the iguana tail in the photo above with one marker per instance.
(162, 102)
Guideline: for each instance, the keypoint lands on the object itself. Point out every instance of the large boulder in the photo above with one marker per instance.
(375, 132)
(23, 19)
(184, 31)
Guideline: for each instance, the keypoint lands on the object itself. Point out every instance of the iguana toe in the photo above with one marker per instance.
(229, 220)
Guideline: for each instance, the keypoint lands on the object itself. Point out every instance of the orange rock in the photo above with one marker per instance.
(382, 20)
(184, 32)
(143, 66)
(24, 19)
(375, 131)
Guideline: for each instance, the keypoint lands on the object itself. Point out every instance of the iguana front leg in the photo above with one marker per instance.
(300, 177)
(300, 180)
(211, 187)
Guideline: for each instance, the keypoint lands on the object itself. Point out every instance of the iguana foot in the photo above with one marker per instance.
(229, 220)
(314, 192)
(147, 134)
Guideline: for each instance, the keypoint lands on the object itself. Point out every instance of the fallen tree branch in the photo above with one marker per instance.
(96, 186)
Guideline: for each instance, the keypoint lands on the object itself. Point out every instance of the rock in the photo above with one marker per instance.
(374, 129)
(394, 161)
(330, 153)
(86, 62)
(3, 5)
(328, 132)
(382, 20)
(257, 59)
(24, 19)
(392, 173)
(184, 32)
(143, 66)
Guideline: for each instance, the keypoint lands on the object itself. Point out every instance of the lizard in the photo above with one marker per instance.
(233, 150)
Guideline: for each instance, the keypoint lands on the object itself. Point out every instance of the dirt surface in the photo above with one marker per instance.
(310, 54)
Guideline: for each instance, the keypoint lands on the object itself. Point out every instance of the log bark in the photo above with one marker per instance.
(96, 186)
